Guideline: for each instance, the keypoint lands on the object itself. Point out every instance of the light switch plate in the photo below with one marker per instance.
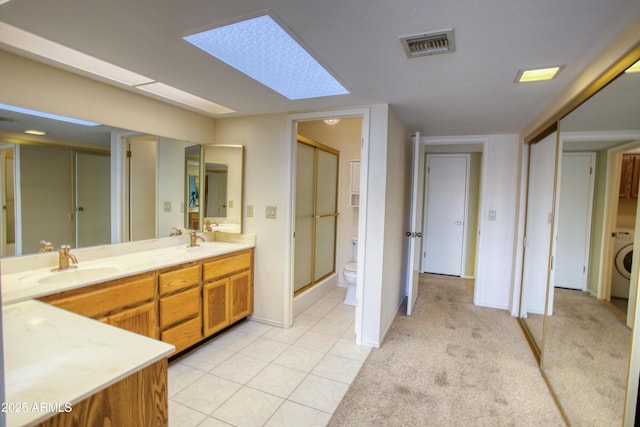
(271, 212)
(167, 206)
(249, 211)
(492, 215)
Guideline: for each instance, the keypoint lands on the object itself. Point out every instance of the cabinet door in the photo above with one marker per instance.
(626, 176)
(241, 295)
(141, 320)
(635, 176)
(215, 299)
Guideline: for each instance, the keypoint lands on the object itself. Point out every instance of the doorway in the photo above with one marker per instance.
(447, 191)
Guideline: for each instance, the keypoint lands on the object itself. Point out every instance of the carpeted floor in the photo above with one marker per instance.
(586, 358)
(449, 364)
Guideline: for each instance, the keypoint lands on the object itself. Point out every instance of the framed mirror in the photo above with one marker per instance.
(222, 188)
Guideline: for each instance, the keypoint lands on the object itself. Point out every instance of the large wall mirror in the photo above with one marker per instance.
(579, 285)
(58, 187)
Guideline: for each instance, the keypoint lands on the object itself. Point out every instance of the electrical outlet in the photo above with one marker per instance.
(249, 211)
(271, 212)
(167, 206)
(492, 215)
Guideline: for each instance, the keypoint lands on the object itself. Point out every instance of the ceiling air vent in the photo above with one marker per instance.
(428, 43)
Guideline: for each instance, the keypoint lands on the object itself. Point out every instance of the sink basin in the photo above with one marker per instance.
(77, 275)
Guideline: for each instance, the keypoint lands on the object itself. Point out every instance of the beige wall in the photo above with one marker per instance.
(29, 84)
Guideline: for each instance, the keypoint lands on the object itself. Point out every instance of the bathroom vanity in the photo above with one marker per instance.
(69, 349)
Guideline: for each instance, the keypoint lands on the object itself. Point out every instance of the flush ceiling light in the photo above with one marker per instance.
(35, 132)
(635, 68)
(264, 51)
(537, 74)
(46, 115)
(185, 98)
(332, 121)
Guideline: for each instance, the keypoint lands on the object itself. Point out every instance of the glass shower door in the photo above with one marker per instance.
(316, 213)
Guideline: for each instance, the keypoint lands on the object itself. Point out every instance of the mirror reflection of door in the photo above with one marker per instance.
(7, 233)
(216, 176)
(93, 212)
(142, 187)
(538, 229)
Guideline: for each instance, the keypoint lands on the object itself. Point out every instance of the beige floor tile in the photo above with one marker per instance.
(292, 414)
(264, 349)
(239, 368)
(206, 358)
(317, 341)
(337, 368)
(253, 328)
(287, 336)
(305, 321)
(277, 380)
(233, 341)
(319, 393)
(248, 408)
(350, 350)
(180, 376)
(299, 358)
(213, 422)
(207, 393)
(182, 416)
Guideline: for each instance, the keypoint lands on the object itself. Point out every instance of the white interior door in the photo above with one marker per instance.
(574, 220)
(415, 232)
(445, 213)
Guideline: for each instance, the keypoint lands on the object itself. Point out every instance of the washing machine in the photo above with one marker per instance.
(623, 256)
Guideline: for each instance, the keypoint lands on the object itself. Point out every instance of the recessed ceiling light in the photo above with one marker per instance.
(35, 132)
(185, 98)
(537, 74)
(264, 51)
(46, 115)
(635, 68)
(332, 121)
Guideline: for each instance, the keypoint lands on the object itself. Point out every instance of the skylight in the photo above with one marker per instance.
(264, 51)
(46, 115)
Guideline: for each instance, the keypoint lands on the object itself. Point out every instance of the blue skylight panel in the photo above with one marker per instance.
(261, 49)
(46, 115)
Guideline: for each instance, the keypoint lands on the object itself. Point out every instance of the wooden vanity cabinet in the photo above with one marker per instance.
(227, 290)
(180, 316)
(128, 303)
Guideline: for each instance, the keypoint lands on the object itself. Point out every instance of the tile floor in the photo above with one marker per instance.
(259, 375)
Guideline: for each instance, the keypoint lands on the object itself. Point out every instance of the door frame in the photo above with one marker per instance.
(288, 259)
(425, 201)
(467, 144)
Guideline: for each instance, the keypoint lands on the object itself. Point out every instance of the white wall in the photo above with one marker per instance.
(267, 183)
(495, 256)
(387, 214)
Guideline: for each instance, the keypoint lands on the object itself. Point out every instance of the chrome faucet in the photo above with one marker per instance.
(64, 258)
(193, 238)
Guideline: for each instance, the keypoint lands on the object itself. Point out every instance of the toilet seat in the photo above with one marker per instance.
(352, 266)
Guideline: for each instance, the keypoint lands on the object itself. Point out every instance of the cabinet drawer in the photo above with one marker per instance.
(184, 335)
(178, 307)
(100, 300)
(225, 266)
(172, 281)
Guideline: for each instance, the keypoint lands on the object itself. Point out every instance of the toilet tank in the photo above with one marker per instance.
(354, 249)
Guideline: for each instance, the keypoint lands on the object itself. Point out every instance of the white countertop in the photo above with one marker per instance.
(53, 356)
(26, 284)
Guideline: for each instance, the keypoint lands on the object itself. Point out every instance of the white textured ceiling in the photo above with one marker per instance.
(468, 92)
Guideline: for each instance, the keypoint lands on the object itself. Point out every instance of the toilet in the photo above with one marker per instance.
(350, 274)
